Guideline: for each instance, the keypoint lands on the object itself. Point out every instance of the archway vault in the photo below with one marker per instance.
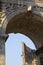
(29, 24)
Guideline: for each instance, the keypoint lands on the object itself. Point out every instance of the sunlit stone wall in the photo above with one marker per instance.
(2, 50)
(2, 60)
(2, 54)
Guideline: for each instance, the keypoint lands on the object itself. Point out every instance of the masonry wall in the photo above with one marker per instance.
(2, 51)
(28, 56)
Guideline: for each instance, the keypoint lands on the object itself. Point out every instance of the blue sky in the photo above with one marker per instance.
(14, 48)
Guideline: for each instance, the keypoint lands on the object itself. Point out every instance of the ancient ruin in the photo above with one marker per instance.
(17, 18)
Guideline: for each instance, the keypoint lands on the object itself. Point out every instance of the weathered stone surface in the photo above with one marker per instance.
(39, 53)
(2, 49)
(15, 18)
(28, 56)
(2, 59)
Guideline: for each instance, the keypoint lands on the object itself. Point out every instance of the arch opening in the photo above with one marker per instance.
(29, 24)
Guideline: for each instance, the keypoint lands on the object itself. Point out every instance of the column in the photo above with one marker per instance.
(3, 38)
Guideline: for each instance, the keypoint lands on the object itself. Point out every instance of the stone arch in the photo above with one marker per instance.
(29, 24)
(10, 13)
